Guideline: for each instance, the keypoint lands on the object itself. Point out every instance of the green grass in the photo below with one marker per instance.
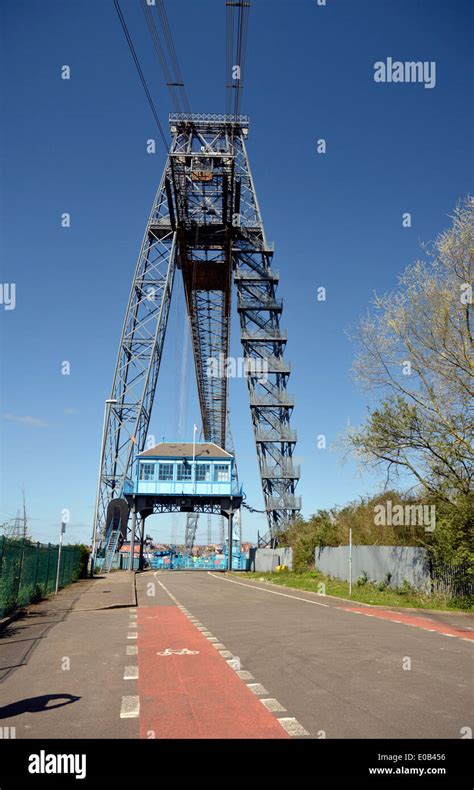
(366, 593)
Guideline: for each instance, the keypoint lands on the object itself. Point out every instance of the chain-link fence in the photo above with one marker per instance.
(28, 571)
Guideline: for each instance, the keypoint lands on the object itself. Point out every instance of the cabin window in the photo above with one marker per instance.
(147, 471)
(165, 471)
(203, 472)
(221, 473)
(184, 471)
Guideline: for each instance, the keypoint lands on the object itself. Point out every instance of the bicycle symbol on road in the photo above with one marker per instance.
(170, 651)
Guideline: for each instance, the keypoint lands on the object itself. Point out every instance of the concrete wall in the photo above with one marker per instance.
(408, 563)
(265, 560)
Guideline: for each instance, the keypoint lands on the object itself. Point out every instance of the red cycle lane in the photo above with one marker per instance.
(192, 694)
(414, 620)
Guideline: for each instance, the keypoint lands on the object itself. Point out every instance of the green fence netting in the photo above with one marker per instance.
(28, 571)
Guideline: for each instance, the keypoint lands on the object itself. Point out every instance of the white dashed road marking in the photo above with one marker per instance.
(257, 688)
(273, 705)
(290, 725)
(245, 675)
(130, 708)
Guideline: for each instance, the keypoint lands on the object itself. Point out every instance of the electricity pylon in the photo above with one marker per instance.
(205, 221)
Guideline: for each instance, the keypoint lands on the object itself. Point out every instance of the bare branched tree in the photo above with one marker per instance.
(414, 350)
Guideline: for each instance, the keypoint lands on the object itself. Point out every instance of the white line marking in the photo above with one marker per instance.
(130, 673)
(132, 610)
(257, 688)
(133, 616)
(132, 625)
(273, 705)
(292, 726)
(245, 675)
(132, 650)
(130, 707)
(272, 592)
(166, 591)
(338, 608)
(225, 653)
(132, 636)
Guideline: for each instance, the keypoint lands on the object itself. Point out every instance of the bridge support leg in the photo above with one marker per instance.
(142, 541)
(132, 536)
(230, 540)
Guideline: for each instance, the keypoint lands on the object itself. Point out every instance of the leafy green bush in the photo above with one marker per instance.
(363, 579)
(381, 586)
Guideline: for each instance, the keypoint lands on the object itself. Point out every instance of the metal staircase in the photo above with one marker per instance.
(110, 549)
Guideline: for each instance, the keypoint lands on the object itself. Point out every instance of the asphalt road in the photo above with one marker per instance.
(340, 673)
(208, 655)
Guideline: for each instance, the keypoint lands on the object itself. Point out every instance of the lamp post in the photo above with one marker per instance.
(63, 530)
(107, 406)
(131, 564)
(350, 560)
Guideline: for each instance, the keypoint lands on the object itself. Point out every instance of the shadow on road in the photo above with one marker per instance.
(36, 704)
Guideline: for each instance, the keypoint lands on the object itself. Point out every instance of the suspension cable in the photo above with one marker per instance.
(236, 11)
(168, 36)
(161, 55)
(140, 72)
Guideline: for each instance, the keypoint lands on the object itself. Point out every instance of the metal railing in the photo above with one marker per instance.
(208, 117)
(272, 399)
(281, 470)
(259, 303)
(288, 502)
(277, 365)
(264, 335)
(276, 435)
(250, 274)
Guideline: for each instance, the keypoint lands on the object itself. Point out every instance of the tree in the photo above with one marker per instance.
(414, 353)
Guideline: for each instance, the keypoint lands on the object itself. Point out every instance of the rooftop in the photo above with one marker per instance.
(185, 450)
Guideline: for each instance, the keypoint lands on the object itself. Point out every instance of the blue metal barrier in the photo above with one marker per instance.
(215, 562)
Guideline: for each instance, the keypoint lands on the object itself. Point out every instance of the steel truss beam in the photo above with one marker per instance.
(206, 222)
(263, 344)
(191, 530)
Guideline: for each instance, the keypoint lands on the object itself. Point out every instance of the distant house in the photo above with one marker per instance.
(173, 468)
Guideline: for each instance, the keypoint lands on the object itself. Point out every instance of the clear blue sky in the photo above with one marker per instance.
(78, 146)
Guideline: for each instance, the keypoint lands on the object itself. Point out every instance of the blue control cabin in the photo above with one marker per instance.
(181, 468)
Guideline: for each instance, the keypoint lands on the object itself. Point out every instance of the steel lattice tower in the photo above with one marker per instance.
(205, 222)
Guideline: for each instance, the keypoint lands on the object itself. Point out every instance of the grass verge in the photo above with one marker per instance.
(365, 593)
